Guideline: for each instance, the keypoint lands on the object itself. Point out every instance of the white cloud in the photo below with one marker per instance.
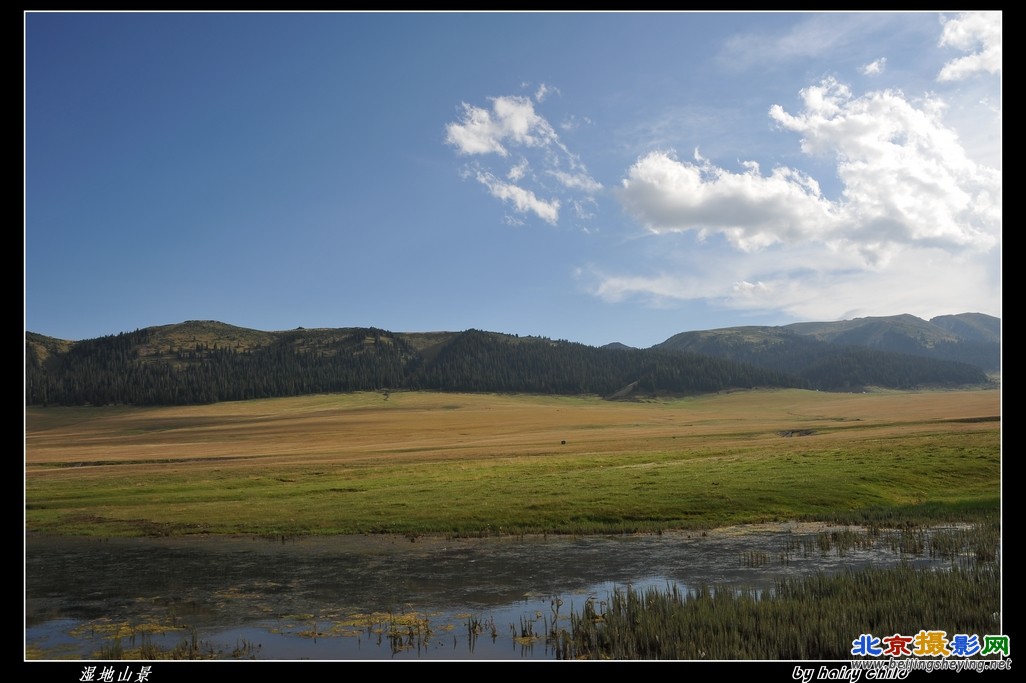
(583, 208)
(817, 36)
(751, 210)
(906, 177)
(978, 33)
(906, 180)
(813, 286)
(874, 67)
(517, 172)
(523, 200)
(513, 123)
(910, 284)
(912, 207)
(578, 181)
(543, 91)
(745, 288)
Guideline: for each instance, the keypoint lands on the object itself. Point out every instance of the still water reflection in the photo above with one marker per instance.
(378, 597)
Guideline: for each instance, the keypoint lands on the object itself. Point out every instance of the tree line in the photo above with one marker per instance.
(127, 369)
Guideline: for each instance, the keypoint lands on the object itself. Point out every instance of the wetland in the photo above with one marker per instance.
(450, 526)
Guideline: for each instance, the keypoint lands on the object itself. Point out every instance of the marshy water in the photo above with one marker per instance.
(390, 597)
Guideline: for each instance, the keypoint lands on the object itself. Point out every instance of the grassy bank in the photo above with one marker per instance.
(418, 463)
(802, 619)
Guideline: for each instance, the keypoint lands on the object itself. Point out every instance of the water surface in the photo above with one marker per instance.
(381, 597)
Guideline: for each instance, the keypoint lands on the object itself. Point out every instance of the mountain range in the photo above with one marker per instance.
(209, 361)
(972, 338)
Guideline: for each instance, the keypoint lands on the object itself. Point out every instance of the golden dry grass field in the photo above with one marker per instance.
(420, 462)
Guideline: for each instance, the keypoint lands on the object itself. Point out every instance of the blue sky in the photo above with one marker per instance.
(592, 177)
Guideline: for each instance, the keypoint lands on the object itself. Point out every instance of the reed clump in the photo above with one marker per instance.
(812, 618)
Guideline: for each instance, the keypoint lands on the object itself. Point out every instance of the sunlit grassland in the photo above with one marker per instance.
(484, 464)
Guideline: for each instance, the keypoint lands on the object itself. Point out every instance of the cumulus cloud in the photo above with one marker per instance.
(874, 67)
(912, 204)
(750, 209)
(512, 123)
(978, 33)
(906, 180)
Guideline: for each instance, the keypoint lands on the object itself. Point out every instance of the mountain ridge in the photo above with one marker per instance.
(977, 326)
(203, 361)
(972, 338)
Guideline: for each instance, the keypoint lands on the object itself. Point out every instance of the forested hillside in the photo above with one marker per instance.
(136, 368)
(209, 361)
(824, 365)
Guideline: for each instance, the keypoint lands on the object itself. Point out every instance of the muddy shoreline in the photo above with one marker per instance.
(385, 541)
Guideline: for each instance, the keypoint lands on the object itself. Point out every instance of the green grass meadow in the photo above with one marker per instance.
(429, 463)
